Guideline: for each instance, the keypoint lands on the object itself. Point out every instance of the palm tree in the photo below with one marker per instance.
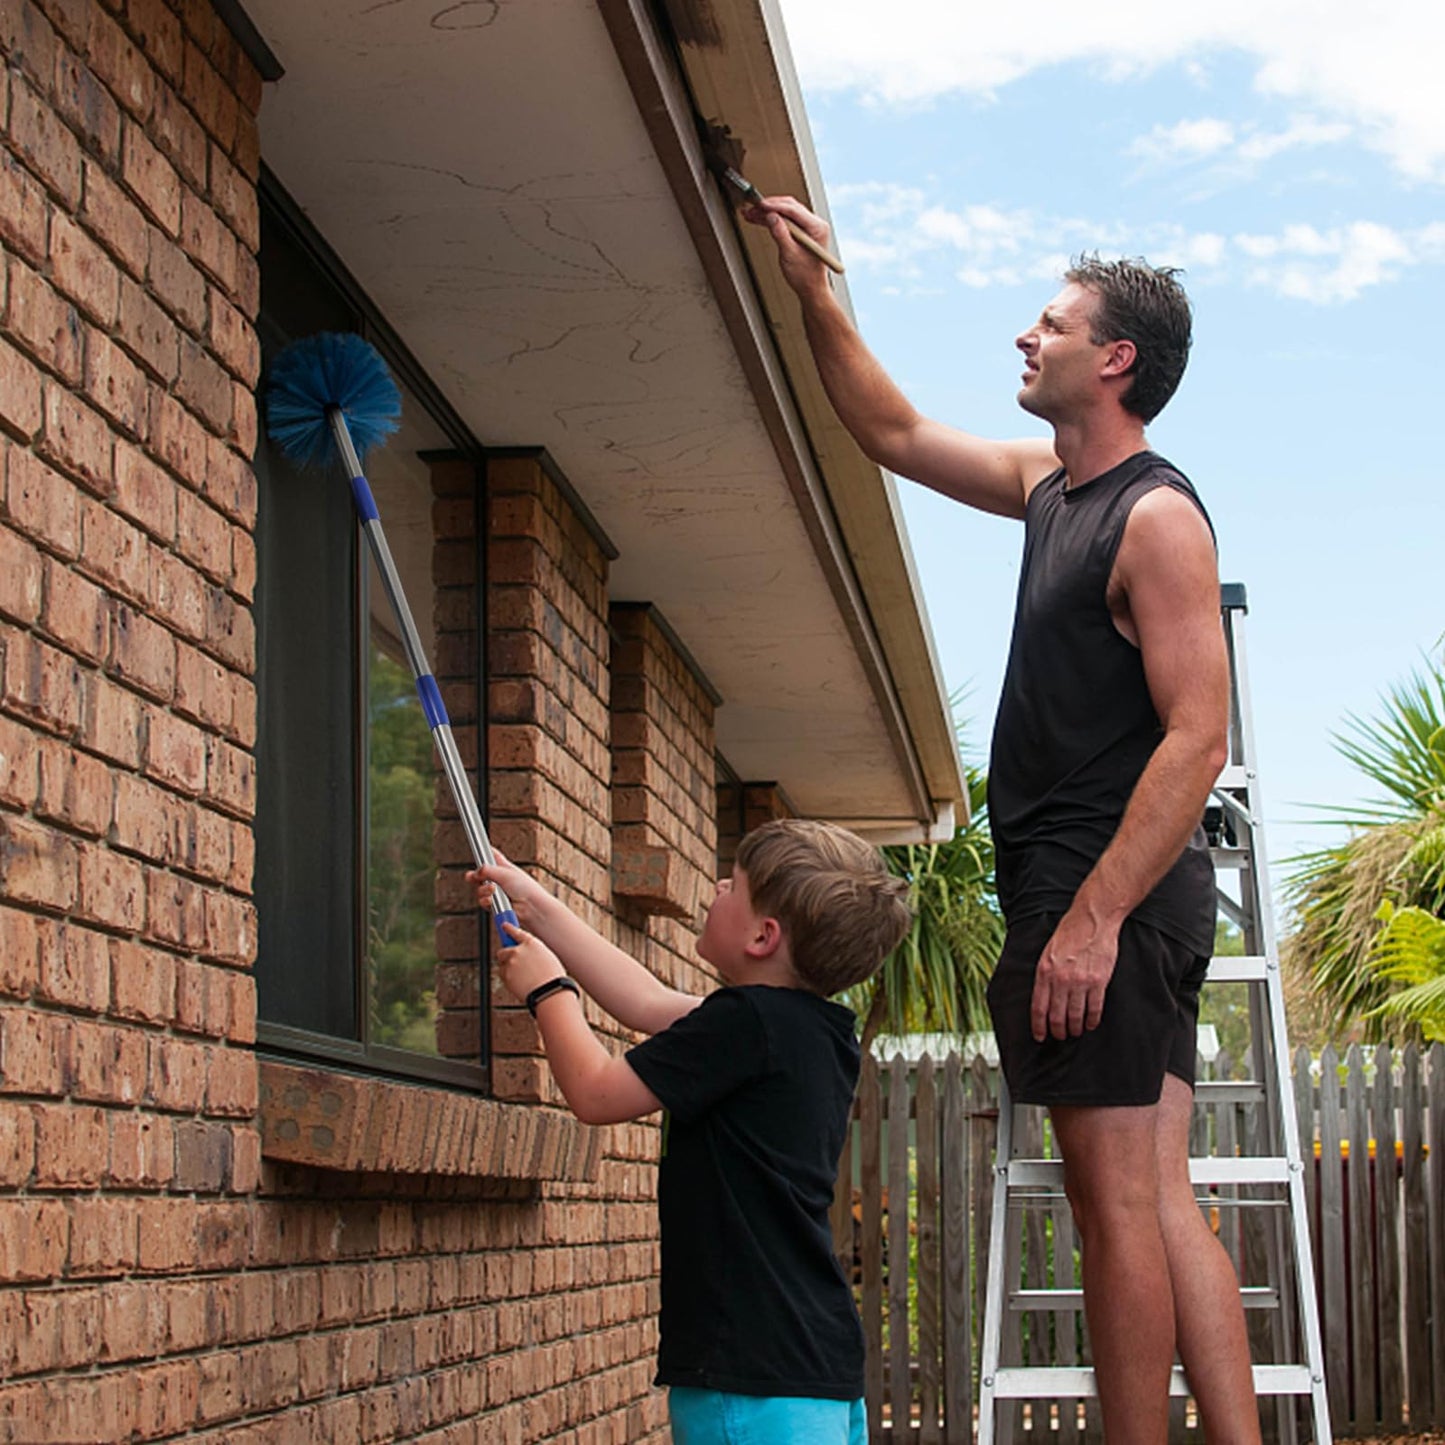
(1350, 897)
(935, 978)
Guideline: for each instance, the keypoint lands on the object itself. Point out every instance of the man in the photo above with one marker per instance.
(1111, 731)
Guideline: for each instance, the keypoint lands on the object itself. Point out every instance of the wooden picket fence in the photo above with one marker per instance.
(911, 1226)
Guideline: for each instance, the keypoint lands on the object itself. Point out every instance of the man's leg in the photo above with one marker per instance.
(1209, 1319)
(1111, 1176)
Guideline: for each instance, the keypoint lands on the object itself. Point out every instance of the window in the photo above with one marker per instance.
(368, 951)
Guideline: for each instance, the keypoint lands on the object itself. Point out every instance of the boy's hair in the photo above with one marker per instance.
(1146, 305)
(840, 909)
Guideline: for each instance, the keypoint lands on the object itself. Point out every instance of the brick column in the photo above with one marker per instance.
(548, 760)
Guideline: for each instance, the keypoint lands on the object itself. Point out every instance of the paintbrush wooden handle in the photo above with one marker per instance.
(809, 244)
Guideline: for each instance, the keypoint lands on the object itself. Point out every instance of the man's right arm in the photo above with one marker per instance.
(990, 475)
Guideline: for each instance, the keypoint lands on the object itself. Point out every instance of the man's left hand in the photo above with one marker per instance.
(1072, 976)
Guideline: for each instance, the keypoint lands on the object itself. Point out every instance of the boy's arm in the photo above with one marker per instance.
(599, 1088)
(637, 999)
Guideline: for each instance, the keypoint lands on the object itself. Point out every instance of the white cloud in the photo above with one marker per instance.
(904, 234)
(1375, 66)
(1188, 140)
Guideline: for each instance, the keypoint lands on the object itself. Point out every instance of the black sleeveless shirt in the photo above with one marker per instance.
(1076, 725)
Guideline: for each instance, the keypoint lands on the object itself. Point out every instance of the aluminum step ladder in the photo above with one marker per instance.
(1265, 1175)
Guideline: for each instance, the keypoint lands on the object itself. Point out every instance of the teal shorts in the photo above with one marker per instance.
(710, 1417)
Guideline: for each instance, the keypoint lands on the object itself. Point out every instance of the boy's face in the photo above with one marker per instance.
(732, 925)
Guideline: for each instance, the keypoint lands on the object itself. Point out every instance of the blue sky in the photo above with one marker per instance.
(1292, 158)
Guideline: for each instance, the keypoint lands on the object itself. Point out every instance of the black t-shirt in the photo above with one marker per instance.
(1076, 725)
(758, 1084)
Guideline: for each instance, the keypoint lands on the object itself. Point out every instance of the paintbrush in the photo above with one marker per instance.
(723, 153)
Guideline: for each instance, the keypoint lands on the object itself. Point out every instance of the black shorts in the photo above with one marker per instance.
(1151, 1010)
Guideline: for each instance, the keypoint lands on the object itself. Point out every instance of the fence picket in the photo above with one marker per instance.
(1417, 1275)
(1360, 1255)
(957, 1331)
(900, 1384)
(870, 1148)
(1387, 1246)
(1335, 1306)
(926, 1111)
(1435, 1194)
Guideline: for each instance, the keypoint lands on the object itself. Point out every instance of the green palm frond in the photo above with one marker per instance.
(1410, 951)
(1403, 750)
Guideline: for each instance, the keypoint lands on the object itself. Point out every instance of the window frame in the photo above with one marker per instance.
(287, 1041)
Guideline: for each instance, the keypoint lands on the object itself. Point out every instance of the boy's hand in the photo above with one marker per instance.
(528, 896)
(526, 965)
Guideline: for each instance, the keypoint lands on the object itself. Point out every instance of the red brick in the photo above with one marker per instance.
(132, 1321)
(74, 968)
(34, 1239)
(77, 440)
(115, 220)
(44, 143)
(145, 330)
(245, 1159)
(75, 789)
(175, 752)
(232, 1083)
(76, 612)
(203, 999)
(35, 1053)
(208, 390)
(203, 536)
(24, 213)
(22, 578)
(211, 97)
(179, 439)
(175, 910)
(43, 503)
(207, 844)
(70, 1146)
(28, 41)
(44, 323)
(180, 596)
(86, 106)
(243, 565)
(230, 482)
(17, 1144)
(158, 32)
(243, 431)
(231, 778)
(19, 951)
(114, 552)
(177, 284)
(178, 1075)
(209, 242)
(103, 1236)
(118, 63)
(143, 653)
(144, 492)
(110, 1067)
(230, 929)
(112, 889)
(202, 1156)
(21, 410)
(176, 132)
(37, 865)
(203, 688)
(83, 271)
(243, 1009)
(116, 385)
(230, 630)
(110, 722)
(233, 339)
(243, 711)
(142, 982)
(234, 195)
(147, 820)
(142, 1151)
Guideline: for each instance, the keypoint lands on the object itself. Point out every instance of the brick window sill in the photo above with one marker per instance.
(345, 1122)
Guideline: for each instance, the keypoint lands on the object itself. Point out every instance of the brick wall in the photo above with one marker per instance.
(159, 1277)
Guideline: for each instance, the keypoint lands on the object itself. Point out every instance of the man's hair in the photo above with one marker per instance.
(840, 909)
(1146, 305)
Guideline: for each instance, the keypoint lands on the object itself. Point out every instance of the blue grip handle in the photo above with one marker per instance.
(501, 916)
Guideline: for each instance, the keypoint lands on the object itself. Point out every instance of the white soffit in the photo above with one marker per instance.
(482, 170)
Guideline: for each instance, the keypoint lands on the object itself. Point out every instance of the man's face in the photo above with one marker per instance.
(1061, 359)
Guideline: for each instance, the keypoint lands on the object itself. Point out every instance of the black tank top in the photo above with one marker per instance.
(1076, 725)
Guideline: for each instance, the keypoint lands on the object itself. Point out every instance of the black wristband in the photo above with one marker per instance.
(553, 985)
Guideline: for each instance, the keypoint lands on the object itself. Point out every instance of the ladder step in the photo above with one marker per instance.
(1244, 1169)
(1238, 968)
(1070, 1382)
(1252, 1297)
(1234, 777)
(1231, 857)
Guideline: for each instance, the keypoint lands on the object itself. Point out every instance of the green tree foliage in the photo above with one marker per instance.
(1358, 938)
(401, 867)
(935, 979)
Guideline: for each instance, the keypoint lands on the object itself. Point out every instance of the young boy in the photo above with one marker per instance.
(760, 1341)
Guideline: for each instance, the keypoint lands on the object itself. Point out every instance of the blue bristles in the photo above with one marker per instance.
(330, 369)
